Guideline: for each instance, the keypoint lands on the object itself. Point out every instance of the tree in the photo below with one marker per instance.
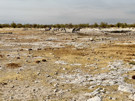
(1, 26)
(103, 25)
(13, 25)
(6, 25)
(118, 25)
(27, 26)
(95, 25)
(19, 25)
(70, 25)
(34, 25)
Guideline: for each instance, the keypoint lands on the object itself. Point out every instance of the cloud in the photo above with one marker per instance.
(67, 11)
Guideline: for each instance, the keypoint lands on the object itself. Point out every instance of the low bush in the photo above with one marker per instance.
(13, 65)
(132, 63)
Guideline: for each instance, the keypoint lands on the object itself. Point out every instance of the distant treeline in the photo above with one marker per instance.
(95, 25)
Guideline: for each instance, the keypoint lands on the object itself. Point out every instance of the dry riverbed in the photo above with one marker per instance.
(44, 66)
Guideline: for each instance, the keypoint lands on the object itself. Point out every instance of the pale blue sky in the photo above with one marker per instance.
(67, 11)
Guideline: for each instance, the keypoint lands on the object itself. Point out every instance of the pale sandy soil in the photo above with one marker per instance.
(44, 66)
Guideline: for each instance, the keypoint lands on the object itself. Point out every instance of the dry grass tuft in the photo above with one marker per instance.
(133, 77)
(44, 60)
(38, 61)
(1, 56)
(132, 63)
(18, 58)
(13, 65)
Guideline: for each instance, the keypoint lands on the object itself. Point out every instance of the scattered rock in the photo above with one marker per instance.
(48, 76)
(38, 73)
(0, 67)
(132, 97)
(56, 90)
(61, 62)
(96, 98)
(126, 88)
(112, 98)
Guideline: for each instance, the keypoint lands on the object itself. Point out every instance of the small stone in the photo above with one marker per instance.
(20, 69)
(114, 99)
(110, 98)
(47, 97)
(56, 90)
(88, 58)
(64, 68)
(132, 96)
(37, 81)
(38, 73)
(56, 85)
(125, 88)
(26, 86)
(12, 97)
(56, 73)
(12, 86)
(48, 76)
(91, 87)
(34, 90)
(96, 98)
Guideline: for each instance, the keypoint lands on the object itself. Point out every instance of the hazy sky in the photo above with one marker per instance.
(67, 11)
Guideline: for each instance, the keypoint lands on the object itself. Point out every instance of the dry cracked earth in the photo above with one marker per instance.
(44, 66)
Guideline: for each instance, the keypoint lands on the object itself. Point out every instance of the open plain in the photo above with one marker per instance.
(39, 65)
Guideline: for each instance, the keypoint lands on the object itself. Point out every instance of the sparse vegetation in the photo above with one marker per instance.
(133, 77)
(70, 25)
(13, 65)
(1, 56)
(44, 60)
(38, 61)
(78, 68)
(13, 25)
(132, 63)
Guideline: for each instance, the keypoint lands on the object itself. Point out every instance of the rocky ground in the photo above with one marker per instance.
(43, 66)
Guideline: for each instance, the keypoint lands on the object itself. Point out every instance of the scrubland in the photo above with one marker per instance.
(38, 65)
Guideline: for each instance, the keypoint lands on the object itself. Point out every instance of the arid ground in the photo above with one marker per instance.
(37, 65)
